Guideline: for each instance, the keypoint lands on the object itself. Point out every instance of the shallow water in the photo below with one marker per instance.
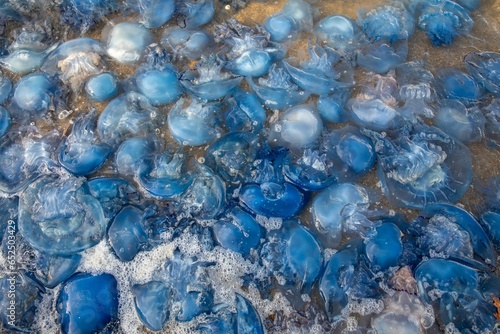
(230, 267)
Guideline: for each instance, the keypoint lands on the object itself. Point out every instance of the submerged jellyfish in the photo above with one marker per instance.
(464, 124)
(350, 153)
(451, 83)
(190, 288)
(485, 68)
(338, 32)
(375, 108)
(298, 127)
(151, 304)
(346, 277)
(75, 61)
(194, 125)
(126, 233)
(238, 231)
(244, 112)
(154, 13)
(81, 152)
(293, 253)
(381, 56)
(312, 171)
(94, 296)
(206, 196)
(322, 73)
(456, 296)
(249, 52)
(193, 14)
(492, 126)
(332, 207)
(127, 115)
(422, 166)
(296, 16)
(58, 216)
(209, 81)
(33, 96)
(442, 20)
(387, 22)
(23, 154)
(165, 176)
(102, 87)
(81, 15)
(23, 61)
(127, 42)
(232, 155)
(4, 121)
(113, 193)
(277, 91)
(187, 43)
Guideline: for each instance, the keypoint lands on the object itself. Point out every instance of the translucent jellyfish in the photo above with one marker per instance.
(281, 27)
(23, 61)
(102, 87)
(442, 20)
(381, 56)
(58, 216)
(4, 121)
(386, 22)
(154, 13)
(165, 177)
(298, 127)
(338, 32)
(294, 254)
(113, 193)
(127, 42)
(82, 15)
(247, 50)
(33, 96)
(460, 122)
(451, 83)
(346, 277)
(209, 82)
(151, 303)
(27, 293)
(126, 233)
(384, 247)
(134, 153)
(277, 91)
(53, 270)
(24, 153)
(75, 61)
(125, 116)
(244, 112)
(81, 152)
(456, 301)
(238, 231)
(191, 291)
(195, 124)
(376, 107)
(492, 126)
(187, 43)
(96, 297)
(415, 89)
(351, 153)
(333, 206)
(193, 14)
(466, 223)
(206, 196)
(403, 313)
(5, 88)
(272, 199)
(485, 68)
(491, 221)
(232, 155)
(322, 73)
(332, 107)
(311, 172)
(422, 166)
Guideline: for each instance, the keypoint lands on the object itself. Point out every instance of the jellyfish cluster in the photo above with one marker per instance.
(191, 172)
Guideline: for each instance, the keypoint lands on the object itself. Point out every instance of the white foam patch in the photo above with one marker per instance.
(269, 223)
(46, 315)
